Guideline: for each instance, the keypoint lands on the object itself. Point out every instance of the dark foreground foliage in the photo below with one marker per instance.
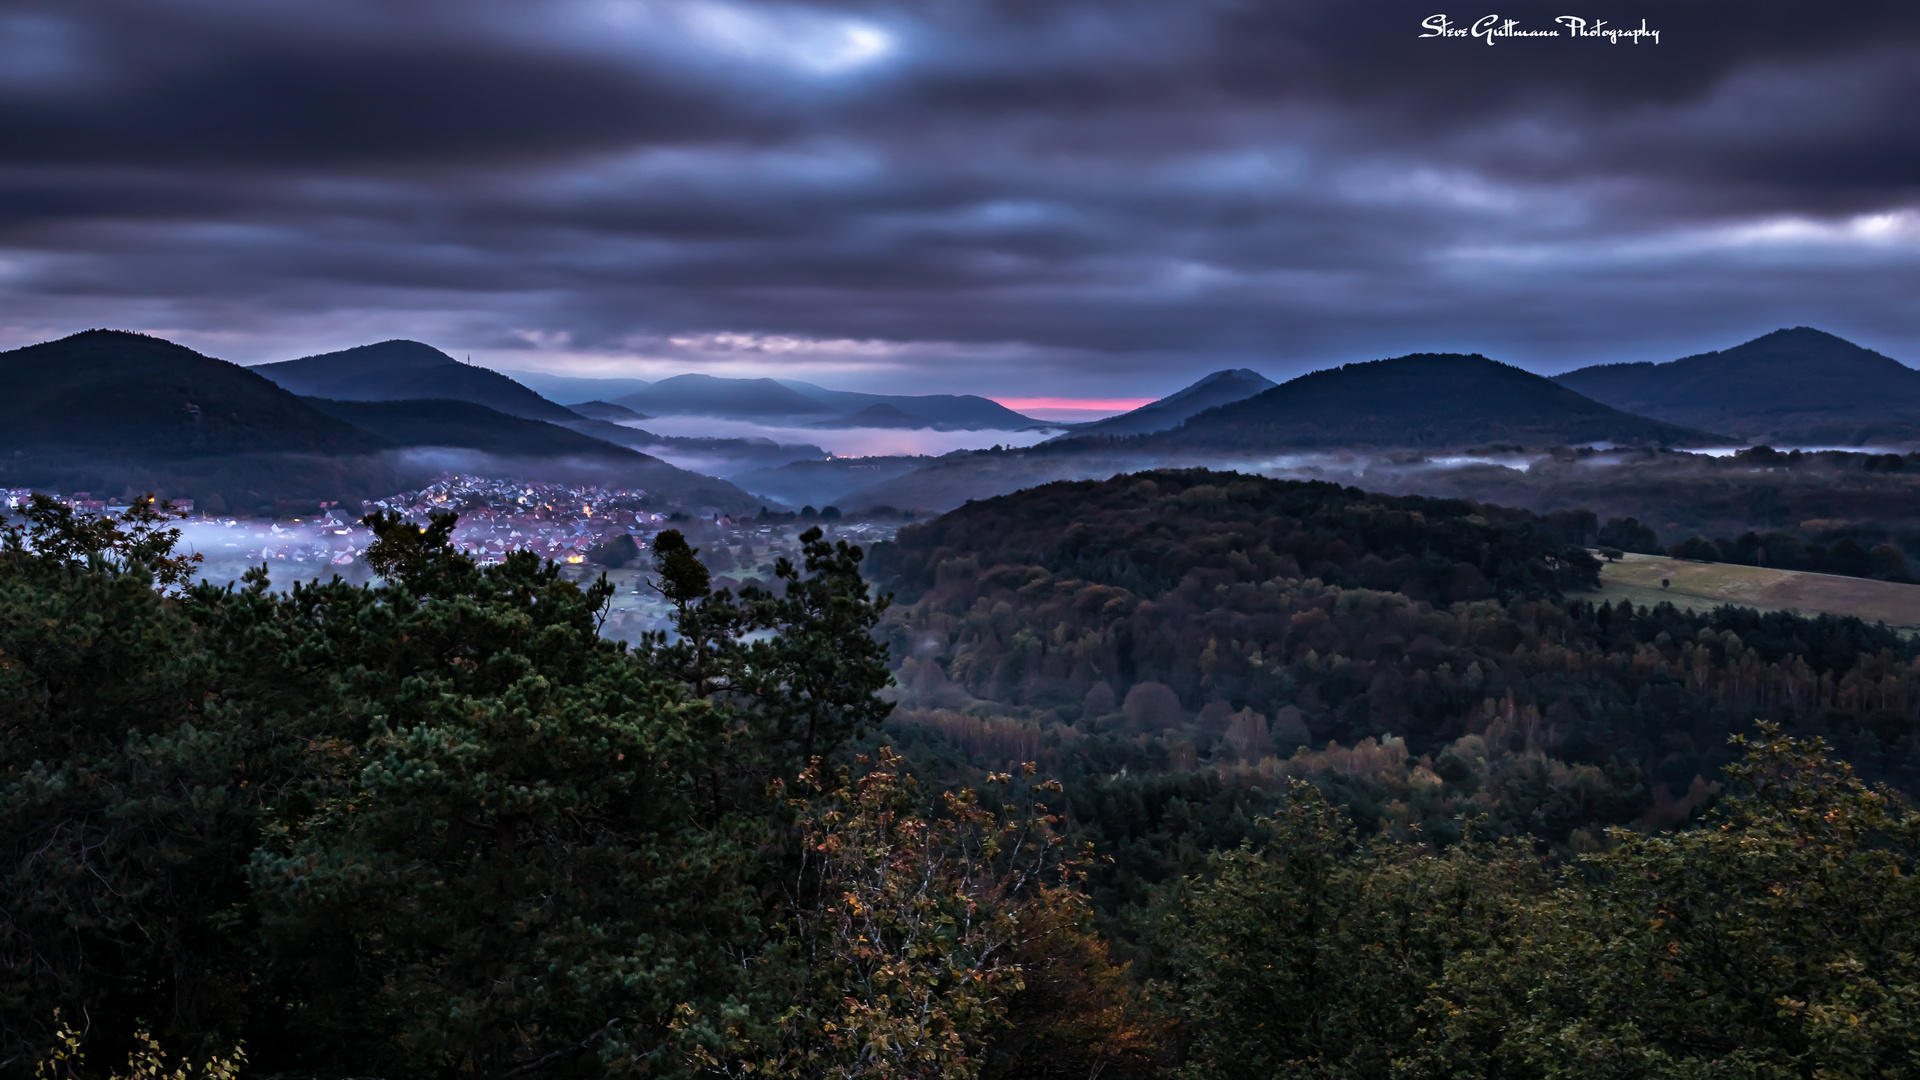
(437, 827)
(1777, 939)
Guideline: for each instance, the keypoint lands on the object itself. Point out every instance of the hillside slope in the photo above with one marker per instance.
(120, 414)
(1219, 388)
(115, 392)
(1424, 401)
(965, 412)
(707, 395)
(1796, 385)
(406, 370)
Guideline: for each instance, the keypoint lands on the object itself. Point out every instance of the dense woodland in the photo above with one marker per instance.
(1178, 644)
(1832, 512)
(1192, 775)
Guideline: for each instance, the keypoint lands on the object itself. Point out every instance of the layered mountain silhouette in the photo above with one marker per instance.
(607, 410)
(110, 391)
(1219, 388)
(1798, 385)
(723, 457)
(881, 415)
(120, 414)
(568, 389)
(561, 453)
(964, 412)
(1425, 400)
(708, 395)
(408, 370)
(780, 401)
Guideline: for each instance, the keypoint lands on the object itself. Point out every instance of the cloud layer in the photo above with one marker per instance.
(1023, 198)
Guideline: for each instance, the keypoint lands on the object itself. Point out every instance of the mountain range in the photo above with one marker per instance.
(963, 412)
(1424, 401)
(780, 401)
(1797, 385)
(121, 414)
(1419, 401)
(571, 388)
(407, 370)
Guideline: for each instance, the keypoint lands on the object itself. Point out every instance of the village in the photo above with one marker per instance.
(582, 529)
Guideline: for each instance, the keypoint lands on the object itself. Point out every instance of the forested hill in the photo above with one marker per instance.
(1426, 400)
(1148, 531)
(1176, 643)
(1794, 385)
(112, 392)
(119, 414)
(406, 371)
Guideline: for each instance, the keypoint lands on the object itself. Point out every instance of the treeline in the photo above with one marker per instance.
(1147, 532)
(1148, 640)
(1777, 940)
(1885, 561)
(437, 827)
(1831, 512)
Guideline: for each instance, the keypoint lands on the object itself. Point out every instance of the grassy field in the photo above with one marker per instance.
(1637, 578)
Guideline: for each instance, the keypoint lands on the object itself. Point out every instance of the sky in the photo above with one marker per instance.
(1028, 199)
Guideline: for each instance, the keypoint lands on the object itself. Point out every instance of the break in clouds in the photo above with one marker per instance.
(1012, 198)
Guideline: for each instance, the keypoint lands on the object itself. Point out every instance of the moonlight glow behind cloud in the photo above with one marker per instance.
(1042, 199)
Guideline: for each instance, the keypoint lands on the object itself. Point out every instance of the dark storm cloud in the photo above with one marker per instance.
(961, 195)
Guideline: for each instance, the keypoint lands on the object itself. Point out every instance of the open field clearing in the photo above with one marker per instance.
(1705, 585)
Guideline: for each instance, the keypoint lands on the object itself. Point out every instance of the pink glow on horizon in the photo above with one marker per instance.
(1106, 405)
(1066, 410)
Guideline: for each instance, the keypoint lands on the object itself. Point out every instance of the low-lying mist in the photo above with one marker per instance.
(840, 442)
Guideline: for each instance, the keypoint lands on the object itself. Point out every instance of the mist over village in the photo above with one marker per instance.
(968, 541)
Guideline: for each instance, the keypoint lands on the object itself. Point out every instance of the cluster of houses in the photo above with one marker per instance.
(84, 502)
(555, 521)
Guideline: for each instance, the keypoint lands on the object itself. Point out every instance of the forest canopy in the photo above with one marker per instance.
(436, 826)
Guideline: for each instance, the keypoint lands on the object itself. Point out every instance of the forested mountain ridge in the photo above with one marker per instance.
(402, 370)
(1792, 385)
(1423, 400)
(120, 414)
(113, 391)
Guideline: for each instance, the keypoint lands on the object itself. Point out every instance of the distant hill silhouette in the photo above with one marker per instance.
(1791, 386)
(606, 410)
(881, 415)
(1219, 388)
(120, 414)
(407, 370)
(111, 391)
(1426, 400)
(560, 452)
(965, 412)
(567, 389)
(787, 401)
(706, 395)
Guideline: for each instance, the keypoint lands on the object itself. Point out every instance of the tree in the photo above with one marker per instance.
(914, 930)
(125, 815)
(1779, 937)
(427, 826)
